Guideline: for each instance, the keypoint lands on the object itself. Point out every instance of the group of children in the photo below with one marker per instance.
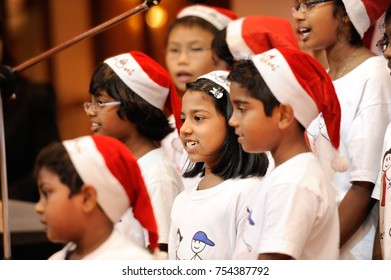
(246, 148)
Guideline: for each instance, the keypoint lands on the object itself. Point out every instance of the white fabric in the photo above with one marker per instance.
(280, 79)
(163, 184)
(358, 15)
(293, 212)
(131, 73)
(235, 41)
(85, 157)
(116, 247)
(219, 77)
(211, 15)
(365, 98)
(382, 192)
(215, 213)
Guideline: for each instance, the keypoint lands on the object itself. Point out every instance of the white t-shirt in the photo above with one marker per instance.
(365, 98)
(116, 247)
(163, 183)
(293, 212)
(205, 222)
(382, 192)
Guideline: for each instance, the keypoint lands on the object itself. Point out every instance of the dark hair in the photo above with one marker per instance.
(150, 121)
(220, 48)
(246, 74)
(231, 160)
(190, 21)
(387, 16)
(55, 158)
(353, 37)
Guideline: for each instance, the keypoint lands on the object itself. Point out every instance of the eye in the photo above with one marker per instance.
(198, 118)
(183, 119)
(173, 50)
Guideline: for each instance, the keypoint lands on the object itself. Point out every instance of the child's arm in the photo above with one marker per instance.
(354, 209)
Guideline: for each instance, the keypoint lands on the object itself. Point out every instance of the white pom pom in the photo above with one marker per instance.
(339, 163)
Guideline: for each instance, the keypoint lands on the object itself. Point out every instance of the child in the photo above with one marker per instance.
(129, 94)
(293, 213)
(188, 56)
(382, 188)
(205, 218)
(361, 80)
(189, 39)
(85, 185)
(247, 36)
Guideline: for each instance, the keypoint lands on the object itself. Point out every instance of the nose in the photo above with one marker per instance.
(185, 128)
(90, 112)
(39, 207)
(233, 120)
(297, 14)
(183, 56)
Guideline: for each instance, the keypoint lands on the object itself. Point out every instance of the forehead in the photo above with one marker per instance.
(195, 100)
(183, 34)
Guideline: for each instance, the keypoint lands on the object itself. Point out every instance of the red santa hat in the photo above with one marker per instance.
(216, 16)
(364, 13)
(297, 79)
(252, 35)
(107, 164)
(149, 80)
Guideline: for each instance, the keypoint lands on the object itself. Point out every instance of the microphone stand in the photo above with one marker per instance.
(7, 89)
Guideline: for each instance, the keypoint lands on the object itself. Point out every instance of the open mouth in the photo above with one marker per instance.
(304, 32)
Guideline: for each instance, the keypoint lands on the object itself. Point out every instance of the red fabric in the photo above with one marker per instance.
(262, 33)
(318, 84)
(123, 165)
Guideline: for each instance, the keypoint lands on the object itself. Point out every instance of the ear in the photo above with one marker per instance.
(89, 198)
(287, 116)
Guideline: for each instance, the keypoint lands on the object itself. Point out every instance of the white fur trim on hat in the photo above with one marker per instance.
(130, 72)
(91, 166)
(219, 77)
(236, 44)
(358, 15)
(211, 15)
(280, 79)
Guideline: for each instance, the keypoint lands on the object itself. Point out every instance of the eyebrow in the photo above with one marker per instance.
(240, 101)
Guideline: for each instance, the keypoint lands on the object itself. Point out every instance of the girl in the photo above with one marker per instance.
(363, 87)
(208, 215)
(129, 93)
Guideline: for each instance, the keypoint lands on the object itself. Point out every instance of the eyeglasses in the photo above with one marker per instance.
(306, 6)
(383, 44)
(97, 106)
(192, 52)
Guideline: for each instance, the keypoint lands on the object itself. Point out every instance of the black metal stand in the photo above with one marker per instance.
(8, 86)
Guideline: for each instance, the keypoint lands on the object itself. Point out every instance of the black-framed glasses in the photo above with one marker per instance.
(383, 44)
(97, 106)
(306, 6)
(191, 52)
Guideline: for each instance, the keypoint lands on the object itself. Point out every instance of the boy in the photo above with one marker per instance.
(85, 185)
(293, 214)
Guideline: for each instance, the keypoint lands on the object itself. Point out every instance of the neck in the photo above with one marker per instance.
(210, 180)
(140, 145)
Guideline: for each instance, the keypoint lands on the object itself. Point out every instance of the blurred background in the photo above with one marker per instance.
(34, 26)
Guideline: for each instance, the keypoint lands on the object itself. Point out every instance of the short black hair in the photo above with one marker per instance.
(55, 158)
(231, 160)
(190, 21)
(221, 49)
(150, 121)
(246, 74)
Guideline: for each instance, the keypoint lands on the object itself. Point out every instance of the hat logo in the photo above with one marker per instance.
(121, 63)
(266, 60)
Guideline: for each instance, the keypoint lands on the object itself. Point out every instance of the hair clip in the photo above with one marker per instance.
(216, 93)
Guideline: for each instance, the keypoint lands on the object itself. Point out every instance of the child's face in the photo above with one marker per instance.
(257, 132)
(106, 120)
(58, 212)
(189, 55)
(204, 129)
(316, 28)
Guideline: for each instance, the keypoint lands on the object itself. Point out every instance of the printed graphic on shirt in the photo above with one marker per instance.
(198, 244)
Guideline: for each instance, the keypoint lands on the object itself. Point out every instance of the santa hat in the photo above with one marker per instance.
(149, 80)
(252, 35)
(107, 164)
(216, 16)
(364, 13)
(297, 79)
(219, 77)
